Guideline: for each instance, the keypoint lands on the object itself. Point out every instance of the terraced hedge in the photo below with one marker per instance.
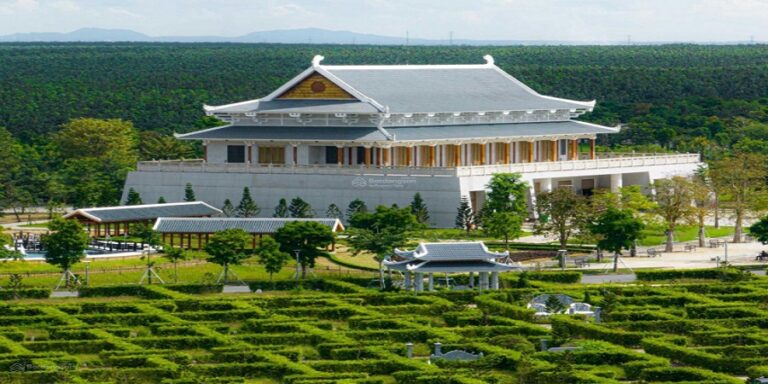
(328, 331)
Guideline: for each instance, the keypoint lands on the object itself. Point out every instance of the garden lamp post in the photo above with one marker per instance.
(297, 251)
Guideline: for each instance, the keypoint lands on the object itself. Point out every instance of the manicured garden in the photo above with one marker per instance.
(702, 326)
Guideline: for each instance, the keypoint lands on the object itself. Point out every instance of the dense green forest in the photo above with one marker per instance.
(710, 99)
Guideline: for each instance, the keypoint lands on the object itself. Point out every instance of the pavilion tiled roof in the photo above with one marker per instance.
(250, 225)
(457, 251)
(128, 213)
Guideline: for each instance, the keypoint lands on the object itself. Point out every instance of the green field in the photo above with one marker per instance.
(703, 326)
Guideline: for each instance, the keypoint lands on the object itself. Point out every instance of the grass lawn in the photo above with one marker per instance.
(655, 235)
(35, 225)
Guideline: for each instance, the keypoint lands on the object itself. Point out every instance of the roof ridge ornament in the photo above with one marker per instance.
(317, 59)
(488, 60)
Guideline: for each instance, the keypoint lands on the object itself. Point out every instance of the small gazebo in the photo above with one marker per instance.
(458, 257)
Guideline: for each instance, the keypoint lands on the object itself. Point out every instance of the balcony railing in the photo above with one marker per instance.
(603, 160)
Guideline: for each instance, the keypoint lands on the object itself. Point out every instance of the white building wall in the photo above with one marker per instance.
(217, 152)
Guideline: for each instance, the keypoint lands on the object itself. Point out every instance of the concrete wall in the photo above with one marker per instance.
(441, 194)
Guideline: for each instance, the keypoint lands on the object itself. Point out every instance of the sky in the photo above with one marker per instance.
(570, 20)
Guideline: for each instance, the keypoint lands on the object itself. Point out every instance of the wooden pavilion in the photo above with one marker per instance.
(116, 221)
(194, 233)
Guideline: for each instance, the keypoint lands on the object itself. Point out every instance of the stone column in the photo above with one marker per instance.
(495, 280)
(419, 282)
(483, 281)
(616, 182)
(407, 281)
(431, 280)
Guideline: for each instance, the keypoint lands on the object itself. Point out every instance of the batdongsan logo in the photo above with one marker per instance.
(382, 182)
(359, 182)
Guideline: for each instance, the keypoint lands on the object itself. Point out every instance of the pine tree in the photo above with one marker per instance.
(419, 209)
(247, 207)
(161, 200)
(228, 209)
(300, 208)
(189, 193)
(133, 197)
(333, 212)
(281, 210)
(465, 217)
(356, 206)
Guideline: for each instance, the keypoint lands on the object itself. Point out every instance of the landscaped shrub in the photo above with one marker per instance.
(688, 374)
(724, 274)
(25, 293)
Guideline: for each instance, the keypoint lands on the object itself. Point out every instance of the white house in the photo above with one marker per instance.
(384, 132)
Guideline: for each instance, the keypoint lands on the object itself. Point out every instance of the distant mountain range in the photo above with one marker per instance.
(285, 36)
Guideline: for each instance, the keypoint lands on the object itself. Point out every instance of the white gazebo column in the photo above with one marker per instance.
(616, 182)
(407, 281)
(495, 280)
(483, 281)
(431, 280)
(419, 282)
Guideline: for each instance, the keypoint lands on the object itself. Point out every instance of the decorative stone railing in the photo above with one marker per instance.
(604, 160)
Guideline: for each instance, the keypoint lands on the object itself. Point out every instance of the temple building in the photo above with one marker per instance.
(445, 258)
(381, 133)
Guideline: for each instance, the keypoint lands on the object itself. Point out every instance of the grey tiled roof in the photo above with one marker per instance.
(451, 266)
(468, 251)
(300, 105)
(416, 133)
(145, 212)
(444, 89)
(247, 132)
(249, 225)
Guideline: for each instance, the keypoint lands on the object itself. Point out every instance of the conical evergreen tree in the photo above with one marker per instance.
(161, 200)
(189, 193)
(419, 209)
(299, 208)
(334, 212)
(281, 210)
(356, 206)
(228, 209)
(133, 197)
(465, 217)
(247, 207)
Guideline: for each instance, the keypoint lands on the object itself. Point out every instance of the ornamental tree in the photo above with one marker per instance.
(419, 209)
(309, 238)
(247, 207)
(271, 256)
(281, 210)
(226, 248)
(759, 230)
(299, 208)
(740, 179)
(567, 214)
(465, 216)
(506, 225)
(617, 229)
(506, 193)
(189, 193)
(380, 243)
(174, 255)
(397, 219)
(66, 244)
(133, 197)
(674, 199)
(334, 212)
(356, 206)
(228, 209)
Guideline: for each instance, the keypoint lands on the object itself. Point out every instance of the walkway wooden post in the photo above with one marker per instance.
(530, 151)
(367, 151)
(592, 149)
(340, 155)
(554, 151)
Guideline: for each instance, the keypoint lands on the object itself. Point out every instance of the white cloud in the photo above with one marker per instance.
(18, 6)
